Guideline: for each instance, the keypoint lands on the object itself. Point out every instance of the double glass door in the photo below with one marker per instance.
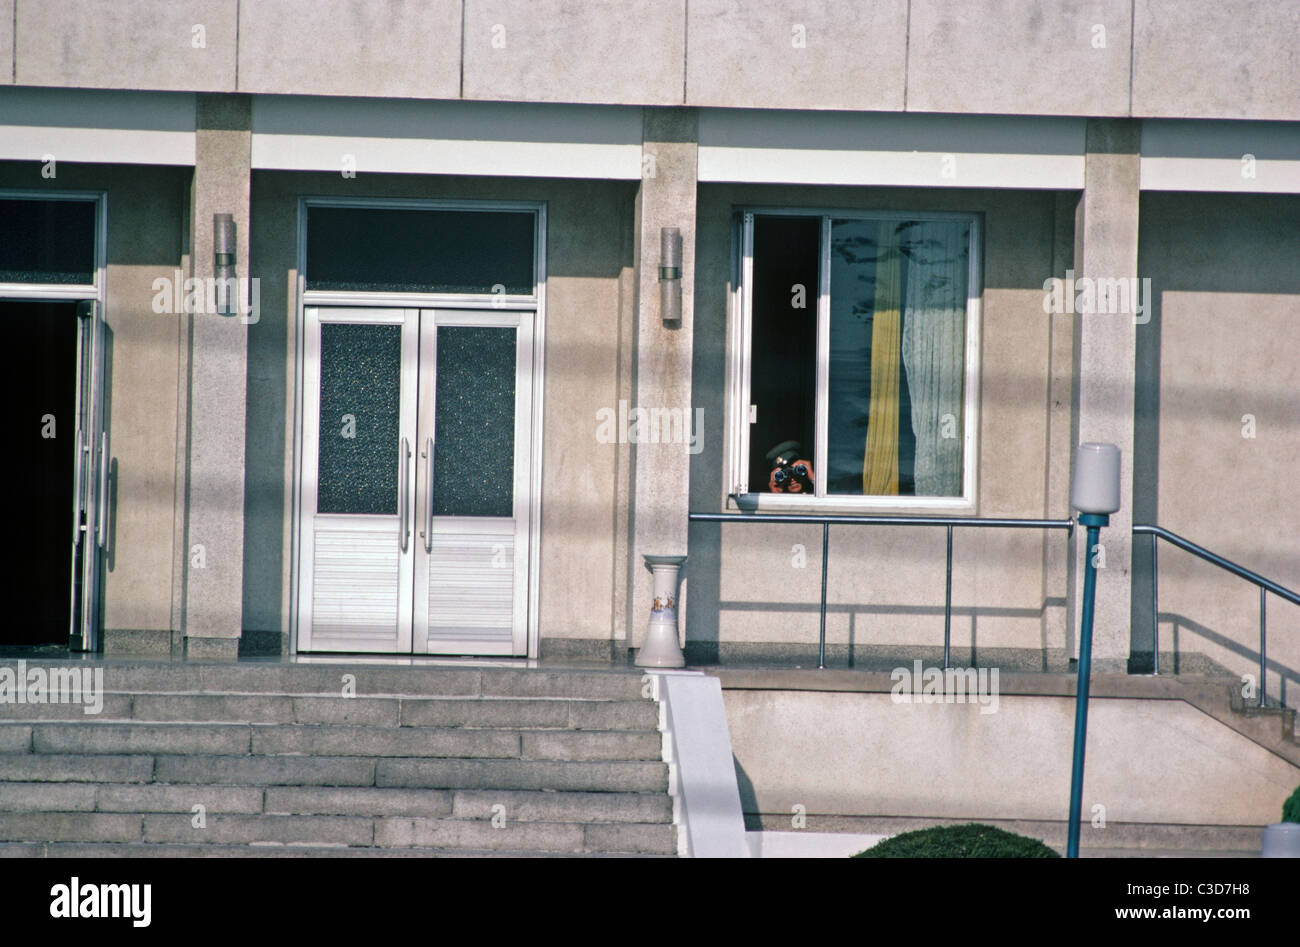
(416, 455)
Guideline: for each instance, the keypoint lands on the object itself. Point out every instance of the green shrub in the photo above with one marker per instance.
(1291, 808)
(959, 841)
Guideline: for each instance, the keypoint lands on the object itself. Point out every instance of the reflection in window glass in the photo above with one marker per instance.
(897, 357)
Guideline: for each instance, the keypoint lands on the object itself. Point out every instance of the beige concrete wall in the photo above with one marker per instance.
(556, 51)
(145, 231)
(1223, 271)
(1232, 59)
(1149, 58)
(406, 48)
(1148, 761)
(588, 269)
(7, 41)
(886, 584)
(126, 44)
(835, 54)
(1066, 57)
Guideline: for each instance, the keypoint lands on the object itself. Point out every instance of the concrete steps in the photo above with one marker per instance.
(285, 760)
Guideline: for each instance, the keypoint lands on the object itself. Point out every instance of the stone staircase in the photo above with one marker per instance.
(337, 759)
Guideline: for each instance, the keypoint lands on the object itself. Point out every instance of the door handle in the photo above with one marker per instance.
(428, 506)
(403, 498)
(78, 484)
(103, 489)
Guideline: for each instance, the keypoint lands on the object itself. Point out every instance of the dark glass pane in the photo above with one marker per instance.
(39, 387)
(47, 241)
(474, 447)
(897, 357)
(443, 251)
(360, 414)
(783, 378)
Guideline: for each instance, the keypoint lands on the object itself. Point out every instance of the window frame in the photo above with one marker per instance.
(739, 381)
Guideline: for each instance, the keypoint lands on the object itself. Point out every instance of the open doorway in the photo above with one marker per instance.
(39, 389)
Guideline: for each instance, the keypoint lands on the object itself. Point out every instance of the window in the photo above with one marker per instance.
(407, 249)
(47, 240)
(856, 354)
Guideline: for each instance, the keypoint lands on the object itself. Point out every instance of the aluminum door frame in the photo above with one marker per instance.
(536, 302)
(91, 471)
(315, 317)
(523, 322)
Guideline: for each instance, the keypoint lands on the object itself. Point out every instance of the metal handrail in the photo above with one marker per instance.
(828, 520)
(1265, 586)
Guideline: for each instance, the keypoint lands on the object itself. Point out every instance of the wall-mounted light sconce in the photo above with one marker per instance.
(223, 264)
(670, 276)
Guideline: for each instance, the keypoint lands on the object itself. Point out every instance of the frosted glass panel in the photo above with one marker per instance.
(474, 452)
(360, 410)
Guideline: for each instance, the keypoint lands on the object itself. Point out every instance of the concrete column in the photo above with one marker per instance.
(660, 493)
(1059, 553)
(1106, 248)
(214, 569)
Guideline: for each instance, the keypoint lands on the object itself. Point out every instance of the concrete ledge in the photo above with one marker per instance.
(584, 649)
(212, 649)
(1138, 837)
(1010, 683)
(263, 643)
(137, 641)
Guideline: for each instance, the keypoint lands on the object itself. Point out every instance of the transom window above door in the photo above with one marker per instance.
(855, 360)
(398, 248)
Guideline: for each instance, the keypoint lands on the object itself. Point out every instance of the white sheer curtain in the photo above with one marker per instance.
(934, 337)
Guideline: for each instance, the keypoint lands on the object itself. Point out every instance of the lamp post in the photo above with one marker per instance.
(1095, 494)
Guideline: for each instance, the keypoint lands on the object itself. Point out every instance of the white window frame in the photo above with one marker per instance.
(739, 387)
(534, 302)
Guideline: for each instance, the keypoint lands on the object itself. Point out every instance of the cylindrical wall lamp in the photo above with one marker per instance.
(670, 275)
(223, 264)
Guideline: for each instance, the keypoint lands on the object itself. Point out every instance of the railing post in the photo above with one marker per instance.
(1263, 641)
(1155, 600)
(947, 603)
(821, 638)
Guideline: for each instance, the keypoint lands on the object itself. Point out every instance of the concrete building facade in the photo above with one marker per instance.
(505, 171)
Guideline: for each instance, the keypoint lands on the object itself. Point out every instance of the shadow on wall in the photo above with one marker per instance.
(1173, 639)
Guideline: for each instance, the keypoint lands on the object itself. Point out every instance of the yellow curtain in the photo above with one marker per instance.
(880, 461)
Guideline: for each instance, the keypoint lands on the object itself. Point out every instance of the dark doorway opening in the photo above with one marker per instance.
(38, 385)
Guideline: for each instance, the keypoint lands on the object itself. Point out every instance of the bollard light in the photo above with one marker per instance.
(1094, 492)
(670, 276)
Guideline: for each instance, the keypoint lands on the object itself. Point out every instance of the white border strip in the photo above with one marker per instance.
(315, 133)
(1249, 157)
(97, 126)
(888, 149)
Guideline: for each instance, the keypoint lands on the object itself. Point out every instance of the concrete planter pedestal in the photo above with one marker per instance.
(660, 648)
